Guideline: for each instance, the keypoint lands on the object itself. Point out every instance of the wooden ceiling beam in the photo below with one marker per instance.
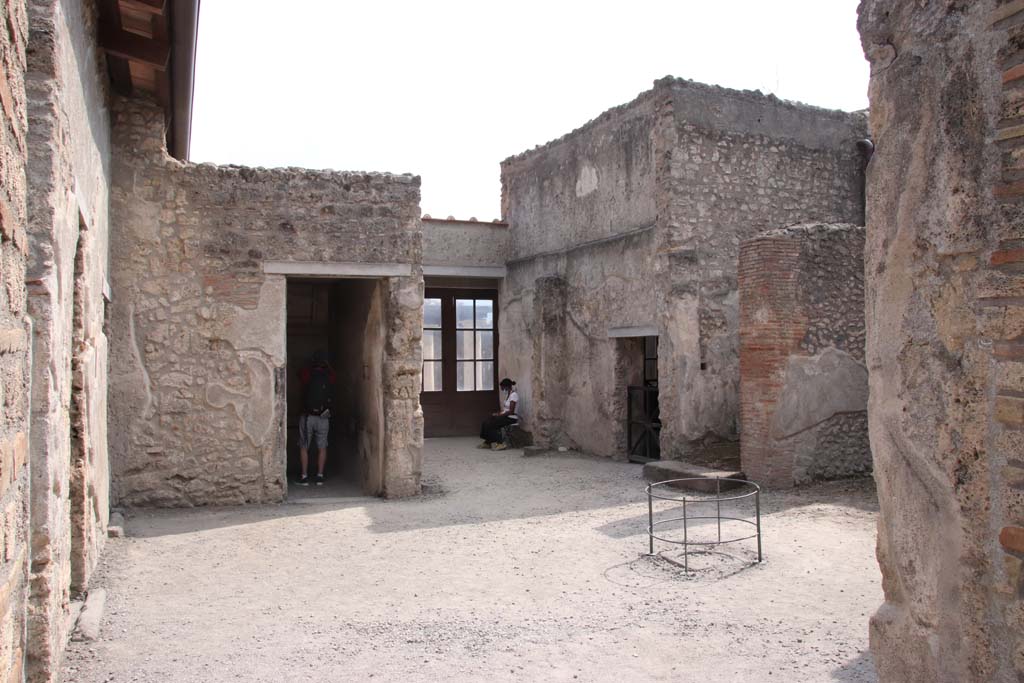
(136, 48)
(150, 6)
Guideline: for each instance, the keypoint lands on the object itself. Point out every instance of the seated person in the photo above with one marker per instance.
(490, 430)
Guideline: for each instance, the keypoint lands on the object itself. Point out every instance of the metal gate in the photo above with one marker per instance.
(643, 423)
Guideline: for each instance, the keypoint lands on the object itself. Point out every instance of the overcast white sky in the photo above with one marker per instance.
(447, 89)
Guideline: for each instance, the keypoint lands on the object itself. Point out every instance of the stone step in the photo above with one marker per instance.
(663, 470)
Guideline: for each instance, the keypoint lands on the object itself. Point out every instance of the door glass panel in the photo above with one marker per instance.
(485, 345)
(484, 314)
(464, 313)
(464, 376)
(432, 376)
(464, 345)
(431, 344)
(485, 376)
(432, 313)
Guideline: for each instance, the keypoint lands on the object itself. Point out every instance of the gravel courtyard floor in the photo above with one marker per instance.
(508, 568)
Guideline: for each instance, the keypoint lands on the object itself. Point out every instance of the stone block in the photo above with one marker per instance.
(1010, 411)
(1012, 538)
(699, 478)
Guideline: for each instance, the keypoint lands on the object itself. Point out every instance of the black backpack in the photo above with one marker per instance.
(318, 391)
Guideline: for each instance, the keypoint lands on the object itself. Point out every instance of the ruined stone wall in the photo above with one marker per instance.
(945, 337)
(15, 336)
(640, 212)
(581, 216)
(464, 243)
(732, 164)
(198, 360)
(803, 382)
(68, 179)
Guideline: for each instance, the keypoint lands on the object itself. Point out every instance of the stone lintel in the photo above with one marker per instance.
(638, 331)
(337, 269)
(466, 271)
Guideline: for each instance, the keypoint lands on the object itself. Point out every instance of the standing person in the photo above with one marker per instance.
(490, 430)
(317, 379)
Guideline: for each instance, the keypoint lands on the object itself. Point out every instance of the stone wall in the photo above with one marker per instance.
(640, 213)
(464, 243)
(68, 179)
(945, 337)
(735, 164)
(197, 409)
(803, 382)
(15, 335)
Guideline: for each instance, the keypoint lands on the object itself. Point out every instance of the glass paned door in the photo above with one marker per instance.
(460, 359)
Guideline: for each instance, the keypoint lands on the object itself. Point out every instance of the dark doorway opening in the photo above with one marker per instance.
(344, 320)
(643, 418)
(460, 360)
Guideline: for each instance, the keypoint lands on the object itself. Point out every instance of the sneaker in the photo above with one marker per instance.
(498, 447)
(302, 481)
(319, 480)
(483, 445)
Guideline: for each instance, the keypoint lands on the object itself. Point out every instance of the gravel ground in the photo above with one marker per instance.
(508, 568)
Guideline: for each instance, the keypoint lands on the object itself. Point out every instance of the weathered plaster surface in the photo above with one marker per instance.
(15, 347)
(68, 177)
(198, 364)
(803, 381)
(640, 213)
(944, 339)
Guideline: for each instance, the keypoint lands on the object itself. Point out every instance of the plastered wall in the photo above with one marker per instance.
(197, 381)
(945, 337)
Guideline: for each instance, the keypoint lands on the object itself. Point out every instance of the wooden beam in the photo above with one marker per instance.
(150, 6)
(136, 48)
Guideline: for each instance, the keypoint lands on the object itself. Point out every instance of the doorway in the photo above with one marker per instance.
(342, 319)
(643, 414)
(460, 360)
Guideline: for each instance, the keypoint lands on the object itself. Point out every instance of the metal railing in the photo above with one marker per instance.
(660, 491)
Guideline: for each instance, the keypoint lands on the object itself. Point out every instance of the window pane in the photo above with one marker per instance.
(464, 345)
(651, 370)
(431, 344)
(432, 376)
(485, 376)
(485, 345)
(432, 313)
(484, 314)
(464, 313)
(464, 376)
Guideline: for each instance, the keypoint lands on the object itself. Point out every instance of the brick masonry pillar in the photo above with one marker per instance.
(771, 327)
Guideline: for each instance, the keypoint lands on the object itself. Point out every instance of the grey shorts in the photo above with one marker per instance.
(313, 427)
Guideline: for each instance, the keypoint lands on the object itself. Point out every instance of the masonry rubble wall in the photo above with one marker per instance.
(15, 345)
(68, 157)
(197, 407)
(581, 216)
(464, 243)
(640, 212)
(945, 337)
(803, 381)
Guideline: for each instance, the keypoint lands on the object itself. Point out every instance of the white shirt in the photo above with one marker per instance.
(512, 398)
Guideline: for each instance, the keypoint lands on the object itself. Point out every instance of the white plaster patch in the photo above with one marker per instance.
(587, 181)
(818, 387)
(256, 408)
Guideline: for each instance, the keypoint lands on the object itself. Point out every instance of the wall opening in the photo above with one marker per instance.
(636, 406)
(80, 456)
(460, 359)
(342, 319)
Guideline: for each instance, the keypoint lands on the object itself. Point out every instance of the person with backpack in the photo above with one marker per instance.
(317, 379)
